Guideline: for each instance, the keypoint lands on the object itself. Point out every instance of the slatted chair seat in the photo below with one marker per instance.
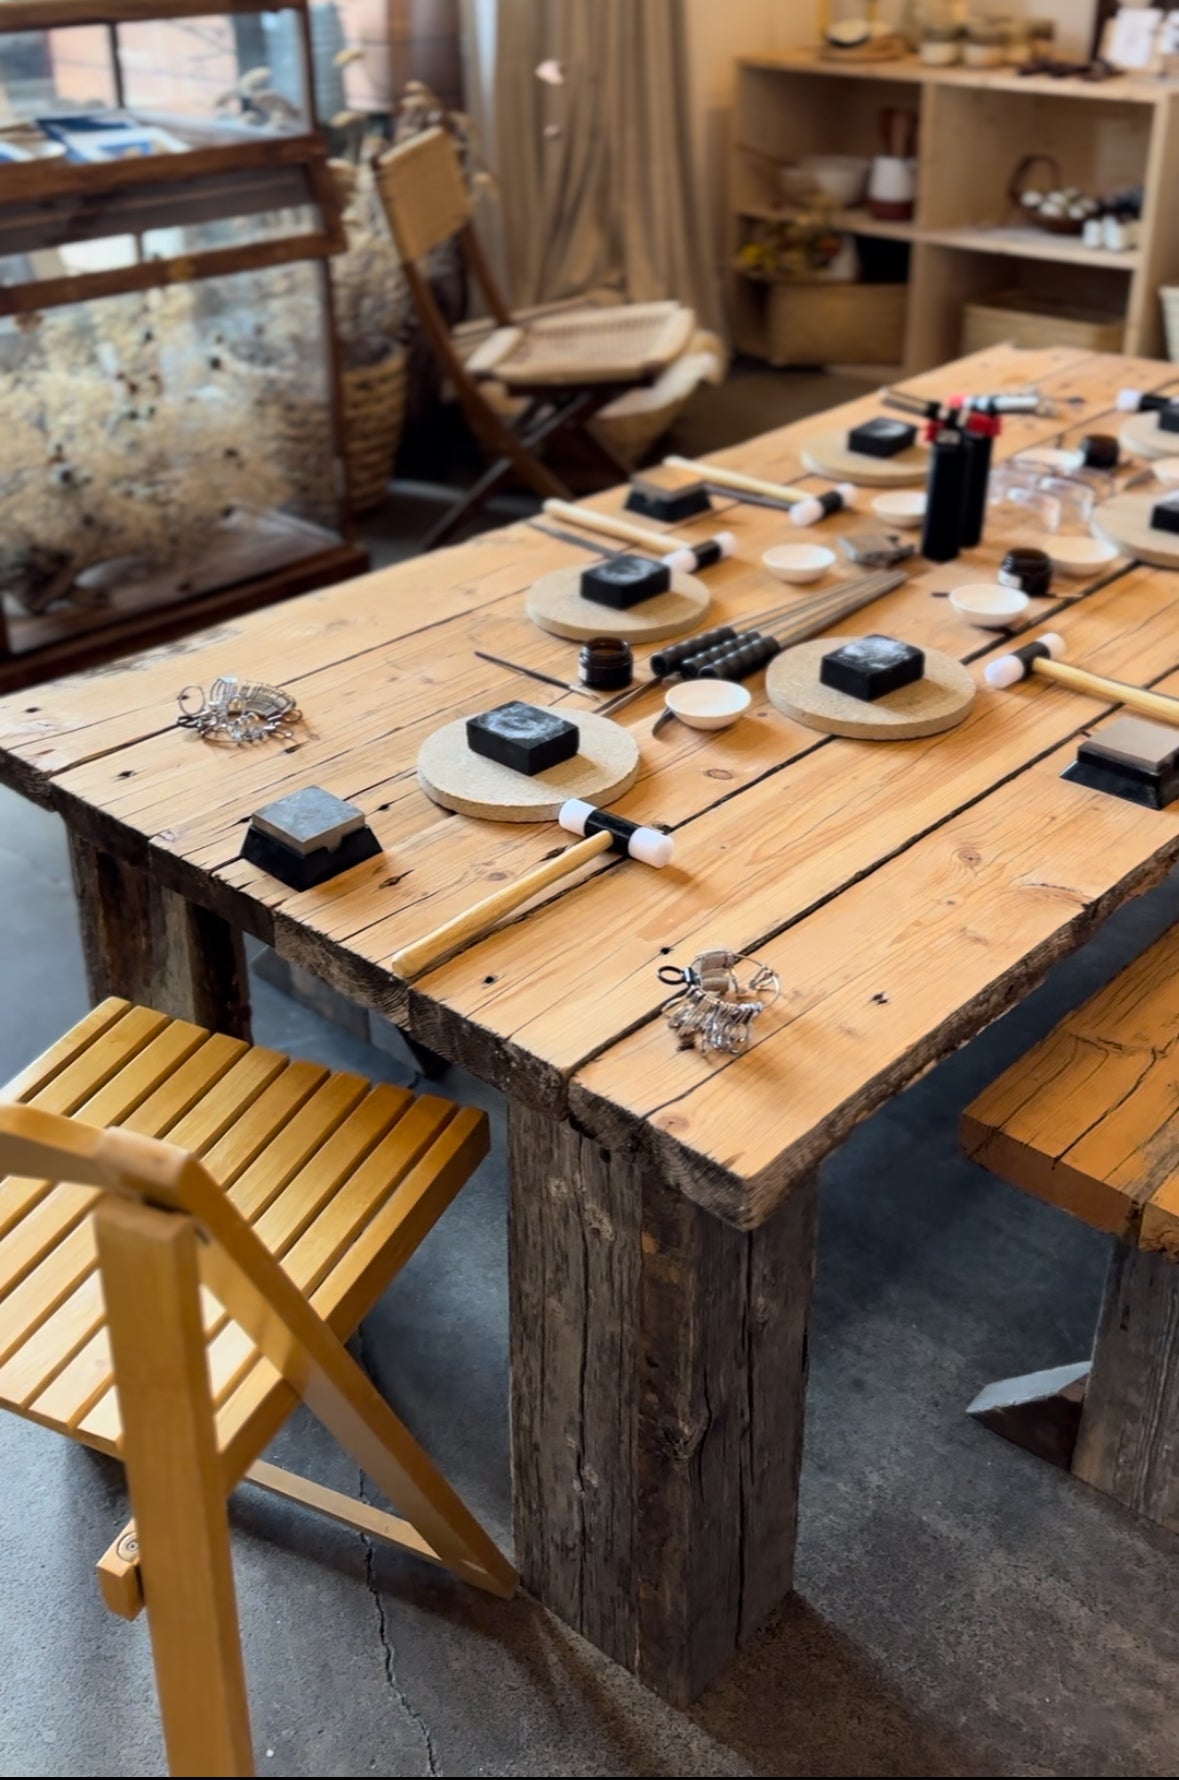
(1088, 1121)
(629, 344)
(337, 1179)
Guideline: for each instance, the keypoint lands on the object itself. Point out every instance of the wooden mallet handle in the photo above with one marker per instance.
(412, 960)
(1135, 698)
(611, 527)
(738, 480)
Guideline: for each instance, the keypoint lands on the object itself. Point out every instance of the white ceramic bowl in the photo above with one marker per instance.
(987, 604)
(708, 704)
(902, 506)
(1079, 556)
(798, 563)
(1167, 471)
(842, 177)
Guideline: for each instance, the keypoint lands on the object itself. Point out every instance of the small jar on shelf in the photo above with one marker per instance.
(986, 43)
(941, 45)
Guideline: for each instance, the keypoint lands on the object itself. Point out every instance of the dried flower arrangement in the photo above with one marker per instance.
(129, 434)
(797, 246)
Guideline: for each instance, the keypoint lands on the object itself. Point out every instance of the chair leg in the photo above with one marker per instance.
(529, 433)
(148, 1262)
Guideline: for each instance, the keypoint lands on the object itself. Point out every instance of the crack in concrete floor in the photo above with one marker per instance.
(388, 1648)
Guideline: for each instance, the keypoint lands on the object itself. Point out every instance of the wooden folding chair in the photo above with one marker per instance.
(190, 1228)
(565, 366)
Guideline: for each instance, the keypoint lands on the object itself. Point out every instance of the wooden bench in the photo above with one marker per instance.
(1089, 1120)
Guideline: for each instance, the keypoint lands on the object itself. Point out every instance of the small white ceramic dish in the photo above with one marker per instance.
(1079, 556)
(798, 563)
(987, 604)
(708, 704)
(1167, 471)
(902, 506)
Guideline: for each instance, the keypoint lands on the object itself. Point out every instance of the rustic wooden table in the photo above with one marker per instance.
(663, 1212)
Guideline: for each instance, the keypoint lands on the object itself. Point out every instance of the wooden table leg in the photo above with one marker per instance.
(658, 1382)
(1112, 1421)
(153, 946)
(1128, 1443)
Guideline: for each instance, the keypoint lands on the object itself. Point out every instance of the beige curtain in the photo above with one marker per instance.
(595, 175)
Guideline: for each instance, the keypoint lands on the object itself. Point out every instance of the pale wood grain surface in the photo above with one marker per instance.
(1089, 1118)
(851, 866)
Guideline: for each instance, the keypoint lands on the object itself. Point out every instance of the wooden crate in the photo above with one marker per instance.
(826, 324)
(1029, 321)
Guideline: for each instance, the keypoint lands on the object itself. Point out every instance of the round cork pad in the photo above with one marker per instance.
(555, 603)
(1125, 521)
(826, 454)
(606, 766)
(1143, 434)
(937, 702)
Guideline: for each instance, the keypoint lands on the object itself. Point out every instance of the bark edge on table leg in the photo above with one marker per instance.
(1128, 1443)
(658, 1390)
(151, 945)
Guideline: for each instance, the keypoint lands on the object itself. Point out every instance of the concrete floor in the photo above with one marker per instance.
(961, 1609)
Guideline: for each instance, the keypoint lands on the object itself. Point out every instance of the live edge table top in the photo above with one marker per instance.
(906, 893)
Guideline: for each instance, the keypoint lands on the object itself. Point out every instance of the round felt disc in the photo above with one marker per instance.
(1125, 521)
(1143, 434)
(606, 766)
(556, 605)
(925, 707)
(826, 454)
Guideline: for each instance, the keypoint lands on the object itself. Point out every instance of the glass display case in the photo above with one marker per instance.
(171, 446)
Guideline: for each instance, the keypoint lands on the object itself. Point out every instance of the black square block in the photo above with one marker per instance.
(307, 870)
(882, 437)
(1169, 418)
(871, 667)
(522, 737)
(625, 581)
(671, 505)
(1165, 516)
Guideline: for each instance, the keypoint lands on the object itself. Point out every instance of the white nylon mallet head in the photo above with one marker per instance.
(650, 845)
(689, 557)
(818, 506)
(1009, 670)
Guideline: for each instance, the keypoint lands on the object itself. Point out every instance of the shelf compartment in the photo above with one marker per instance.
(1031, 244)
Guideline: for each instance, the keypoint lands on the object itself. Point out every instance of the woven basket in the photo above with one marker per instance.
(374, 414)
(1169, 293)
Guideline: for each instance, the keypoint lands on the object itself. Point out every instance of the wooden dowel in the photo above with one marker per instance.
(1135, 698)
(611, 527)
(413, 959)
(738, 480)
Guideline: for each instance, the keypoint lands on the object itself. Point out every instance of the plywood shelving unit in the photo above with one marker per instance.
(966, 240)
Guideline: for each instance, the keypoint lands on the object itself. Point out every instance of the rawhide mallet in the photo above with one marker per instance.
(602, 831)
(1043, 657)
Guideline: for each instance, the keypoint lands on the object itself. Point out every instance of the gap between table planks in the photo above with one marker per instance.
(250, 782)
(446, 838)
(94, 712)
(1119, 372)
(984, 905)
